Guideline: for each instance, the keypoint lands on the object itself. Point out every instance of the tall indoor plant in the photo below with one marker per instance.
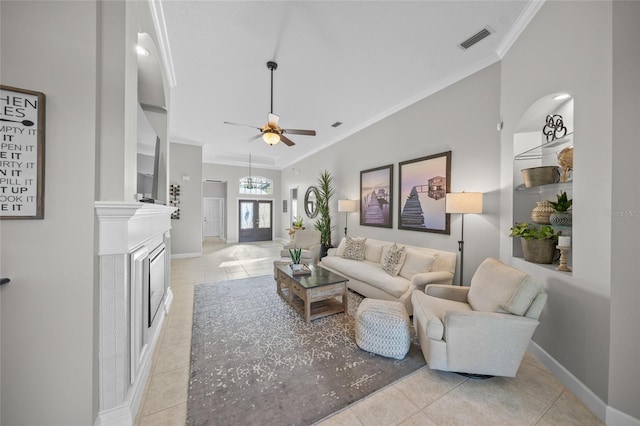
(323, 222)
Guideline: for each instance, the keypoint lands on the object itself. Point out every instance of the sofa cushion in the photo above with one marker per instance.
(393, 258)
(373, 251)
(368, 272)
(523, 297)
(354, 248)
(341, 246)
(493, 285)
(416, 263)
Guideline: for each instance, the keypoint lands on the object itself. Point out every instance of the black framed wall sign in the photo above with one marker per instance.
(22, 131)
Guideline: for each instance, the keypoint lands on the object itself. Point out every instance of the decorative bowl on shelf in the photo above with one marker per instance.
(543, 175)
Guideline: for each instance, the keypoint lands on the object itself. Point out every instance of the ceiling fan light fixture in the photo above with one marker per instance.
(271, 138)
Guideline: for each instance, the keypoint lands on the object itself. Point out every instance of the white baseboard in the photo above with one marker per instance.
(185, 255)
(618, 418)
(579, 389)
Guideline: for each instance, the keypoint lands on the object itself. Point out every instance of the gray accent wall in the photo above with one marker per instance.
(186, 170)
(81, 56)
(461, 118)
(624, 351)
(590, 326)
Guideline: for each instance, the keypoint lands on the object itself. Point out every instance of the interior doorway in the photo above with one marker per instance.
(255, 220)
(213, 217)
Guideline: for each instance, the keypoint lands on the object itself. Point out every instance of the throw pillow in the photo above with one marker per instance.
(393, 259)
(416, 263)
(493, 285)
(523, 297)
(354, 248)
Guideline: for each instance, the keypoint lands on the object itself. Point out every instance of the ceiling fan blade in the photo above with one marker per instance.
(245, 125)
(273, 120)
(253, 138)
(299, 132)
(286, 140)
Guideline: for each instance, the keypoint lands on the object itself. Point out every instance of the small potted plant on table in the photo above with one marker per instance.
(296, 256)
(538, 244)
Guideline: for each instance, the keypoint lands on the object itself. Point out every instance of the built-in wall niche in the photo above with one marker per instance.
(537, 143)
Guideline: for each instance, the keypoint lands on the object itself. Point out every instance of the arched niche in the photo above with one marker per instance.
(533, 148)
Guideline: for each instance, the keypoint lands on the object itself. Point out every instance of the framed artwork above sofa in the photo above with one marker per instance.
(424, 182)
(376, 197)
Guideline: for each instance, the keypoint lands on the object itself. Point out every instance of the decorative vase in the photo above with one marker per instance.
(296, 267)
(538, 251)
(561, 218)
(541, 213)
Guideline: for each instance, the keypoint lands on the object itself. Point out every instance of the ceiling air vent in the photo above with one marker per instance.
(475, 38)
(336, 124)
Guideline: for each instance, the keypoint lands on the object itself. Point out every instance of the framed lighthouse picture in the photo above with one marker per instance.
(423, 185)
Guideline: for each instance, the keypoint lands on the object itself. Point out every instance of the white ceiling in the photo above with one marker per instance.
(350, 61)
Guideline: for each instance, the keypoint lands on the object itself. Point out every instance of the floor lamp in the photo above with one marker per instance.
(347, 206)
(463, 202)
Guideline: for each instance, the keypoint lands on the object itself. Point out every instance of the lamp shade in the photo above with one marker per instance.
(347, 206)
(464, 202)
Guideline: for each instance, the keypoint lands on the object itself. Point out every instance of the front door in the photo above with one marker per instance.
(255, 220)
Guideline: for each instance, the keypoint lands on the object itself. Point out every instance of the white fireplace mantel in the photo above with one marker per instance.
(125, 226)
(125, 230)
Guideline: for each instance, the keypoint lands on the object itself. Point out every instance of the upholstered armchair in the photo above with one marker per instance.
(309, 241)
(483, 329)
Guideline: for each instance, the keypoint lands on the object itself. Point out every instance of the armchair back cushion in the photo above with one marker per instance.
(305, 238)
(496, 287)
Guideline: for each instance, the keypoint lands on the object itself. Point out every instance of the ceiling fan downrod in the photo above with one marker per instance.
(272, 67)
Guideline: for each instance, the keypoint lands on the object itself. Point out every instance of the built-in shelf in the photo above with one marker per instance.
(560, 186)
(536, 152)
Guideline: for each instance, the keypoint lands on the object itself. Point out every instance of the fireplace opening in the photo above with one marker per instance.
(156, 281)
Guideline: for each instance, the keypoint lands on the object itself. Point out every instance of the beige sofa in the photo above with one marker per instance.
(421, 266)
(482, 329)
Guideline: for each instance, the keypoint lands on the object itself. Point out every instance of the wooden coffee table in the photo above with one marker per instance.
(314, 295)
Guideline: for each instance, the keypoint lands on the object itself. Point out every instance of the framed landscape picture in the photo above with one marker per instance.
(376, 197)
(424, 182)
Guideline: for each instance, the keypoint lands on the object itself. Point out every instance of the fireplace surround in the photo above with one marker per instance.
(134, 245)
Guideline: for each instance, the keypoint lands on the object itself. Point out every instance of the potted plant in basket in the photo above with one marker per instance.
(323, 223)
(561, 215)
(538, 244)
(296, 256)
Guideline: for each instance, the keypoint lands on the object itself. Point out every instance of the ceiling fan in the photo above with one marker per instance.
(271, 132)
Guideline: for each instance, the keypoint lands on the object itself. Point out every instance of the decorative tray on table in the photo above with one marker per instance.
(304, 270)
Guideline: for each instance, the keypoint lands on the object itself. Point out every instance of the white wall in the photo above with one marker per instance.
(624, 372)
(461, 118)
(186, 233)
(48, 320)
(231, 174)
(559, 51)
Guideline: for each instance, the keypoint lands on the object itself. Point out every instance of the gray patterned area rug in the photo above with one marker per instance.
(254, 361)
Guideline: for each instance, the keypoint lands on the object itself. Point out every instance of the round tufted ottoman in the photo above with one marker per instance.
(382, 327)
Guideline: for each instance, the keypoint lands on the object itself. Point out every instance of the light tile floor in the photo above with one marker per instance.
(426, 397)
